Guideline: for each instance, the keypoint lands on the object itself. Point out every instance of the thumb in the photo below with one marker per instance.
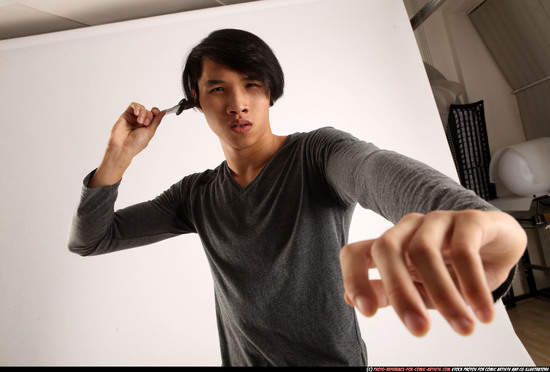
(157, 118)
(360, 291)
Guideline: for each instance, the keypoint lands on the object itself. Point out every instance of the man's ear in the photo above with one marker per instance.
(197, 105)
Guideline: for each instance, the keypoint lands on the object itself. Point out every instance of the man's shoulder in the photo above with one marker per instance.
(323, 136)
(199, 180)
(327, 132)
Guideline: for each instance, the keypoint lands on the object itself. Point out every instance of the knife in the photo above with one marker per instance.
(180, 107)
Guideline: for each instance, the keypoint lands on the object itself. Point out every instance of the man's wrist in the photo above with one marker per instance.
(112, 168)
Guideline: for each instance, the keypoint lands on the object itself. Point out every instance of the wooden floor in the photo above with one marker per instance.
(531, 321)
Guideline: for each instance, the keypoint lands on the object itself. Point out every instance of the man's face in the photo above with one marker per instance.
(235, 107)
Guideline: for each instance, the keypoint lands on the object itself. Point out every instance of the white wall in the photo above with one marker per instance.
(352, 64)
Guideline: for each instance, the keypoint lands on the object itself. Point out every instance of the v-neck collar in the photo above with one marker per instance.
(255, 180)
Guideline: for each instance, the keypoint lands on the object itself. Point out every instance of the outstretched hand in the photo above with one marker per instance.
(447, 260)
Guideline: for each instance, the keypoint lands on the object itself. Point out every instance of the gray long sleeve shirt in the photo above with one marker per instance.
(273, 246)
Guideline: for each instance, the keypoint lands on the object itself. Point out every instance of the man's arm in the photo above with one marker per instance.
(96, 228)
(448, 250)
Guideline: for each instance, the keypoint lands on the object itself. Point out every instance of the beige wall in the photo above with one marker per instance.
(449, 41)
(456, 50)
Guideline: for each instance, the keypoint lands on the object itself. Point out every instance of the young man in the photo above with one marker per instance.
(274, 216)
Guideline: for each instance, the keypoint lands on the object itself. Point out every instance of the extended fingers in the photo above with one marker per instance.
(448, 260)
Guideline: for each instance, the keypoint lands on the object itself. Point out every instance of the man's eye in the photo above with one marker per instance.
(252, 85)
(217, 89)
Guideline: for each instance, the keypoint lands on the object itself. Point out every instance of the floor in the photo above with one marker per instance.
(531, 321)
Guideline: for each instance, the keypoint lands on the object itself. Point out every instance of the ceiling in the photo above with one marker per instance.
(20, 18)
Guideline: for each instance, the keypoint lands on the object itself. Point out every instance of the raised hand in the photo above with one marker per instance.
(131, 134)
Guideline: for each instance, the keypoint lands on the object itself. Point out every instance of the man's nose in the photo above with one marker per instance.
(237, 103)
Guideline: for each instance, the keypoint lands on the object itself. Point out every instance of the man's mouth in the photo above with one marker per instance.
(241, 126)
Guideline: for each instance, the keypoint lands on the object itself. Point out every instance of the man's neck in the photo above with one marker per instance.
(245, 164)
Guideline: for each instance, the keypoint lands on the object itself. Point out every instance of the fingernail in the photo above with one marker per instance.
(484, 315)
(463, 326)
(416, 324)
(363, 305)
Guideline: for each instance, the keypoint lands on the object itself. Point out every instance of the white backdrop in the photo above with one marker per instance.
(351, 64)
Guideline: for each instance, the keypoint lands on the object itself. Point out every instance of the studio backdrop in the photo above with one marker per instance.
(350, 64)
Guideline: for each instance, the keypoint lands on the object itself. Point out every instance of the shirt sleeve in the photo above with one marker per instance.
(387, 182)
(391, 184)
(97, 229)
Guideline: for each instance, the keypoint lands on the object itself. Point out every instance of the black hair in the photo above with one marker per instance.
(239, 50)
